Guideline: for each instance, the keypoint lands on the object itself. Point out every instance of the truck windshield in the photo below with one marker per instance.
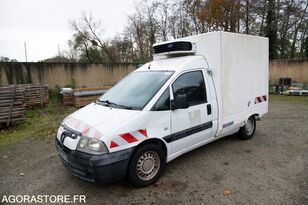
(135, 90)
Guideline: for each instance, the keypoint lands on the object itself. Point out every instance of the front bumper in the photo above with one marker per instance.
(105, 168)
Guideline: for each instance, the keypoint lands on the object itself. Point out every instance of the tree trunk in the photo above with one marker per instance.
(247, 17)
(271, 29)
(293, 50)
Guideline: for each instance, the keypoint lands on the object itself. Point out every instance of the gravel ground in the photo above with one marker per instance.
(271, 168)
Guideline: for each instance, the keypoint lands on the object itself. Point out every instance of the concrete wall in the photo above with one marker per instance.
(297, 69)
(63, 74)
(92, 75)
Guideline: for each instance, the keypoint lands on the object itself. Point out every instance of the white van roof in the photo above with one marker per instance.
(172, 64)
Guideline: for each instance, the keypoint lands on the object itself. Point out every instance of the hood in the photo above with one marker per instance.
(88, 119)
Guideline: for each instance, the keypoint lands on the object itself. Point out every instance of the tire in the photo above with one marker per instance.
(248, 130)
(146, 165)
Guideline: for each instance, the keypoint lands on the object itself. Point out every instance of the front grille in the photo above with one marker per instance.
(63, 148)
(69, 132)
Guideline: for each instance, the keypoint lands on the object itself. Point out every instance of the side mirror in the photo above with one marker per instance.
(180, 102)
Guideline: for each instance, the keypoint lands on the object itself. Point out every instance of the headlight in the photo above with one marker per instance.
(91, 146)
(95, 145)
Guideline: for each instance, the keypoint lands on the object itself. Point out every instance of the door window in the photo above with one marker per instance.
(191, 84)
(163, 103)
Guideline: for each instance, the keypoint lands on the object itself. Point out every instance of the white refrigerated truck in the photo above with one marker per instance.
(196, 90)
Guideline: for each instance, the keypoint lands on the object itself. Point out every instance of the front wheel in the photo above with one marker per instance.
(146, 165)
(248, 130)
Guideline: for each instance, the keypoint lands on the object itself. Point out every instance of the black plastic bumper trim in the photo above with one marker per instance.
(105, 168)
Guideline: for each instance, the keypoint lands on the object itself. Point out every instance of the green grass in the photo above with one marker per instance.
(39, 123)
(303, 100)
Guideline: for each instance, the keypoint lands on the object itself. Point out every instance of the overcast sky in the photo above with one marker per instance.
(43, 24)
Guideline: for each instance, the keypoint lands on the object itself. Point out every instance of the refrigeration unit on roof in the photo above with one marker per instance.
(176, 47)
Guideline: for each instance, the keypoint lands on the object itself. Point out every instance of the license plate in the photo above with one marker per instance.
(63, 155)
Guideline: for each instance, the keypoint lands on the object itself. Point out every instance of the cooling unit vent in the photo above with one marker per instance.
(181, 46)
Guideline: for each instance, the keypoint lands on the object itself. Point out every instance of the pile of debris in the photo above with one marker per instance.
(11, 104)
(14, 99)
(80, 97)
(36, 95)
(287, 87)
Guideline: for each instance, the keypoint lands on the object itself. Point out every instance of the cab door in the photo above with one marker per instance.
(193, 125)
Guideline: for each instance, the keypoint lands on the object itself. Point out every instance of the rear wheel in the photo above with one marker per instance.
(248, 130)
(146, 165)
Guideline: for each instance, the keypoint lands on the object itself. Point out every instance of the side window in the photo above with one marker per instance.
(191, 84)
(163, 103)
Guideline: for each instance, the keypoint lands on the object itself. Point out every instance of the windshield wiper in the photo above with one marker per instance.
(112, 104)
(106, 102)
(127, 107)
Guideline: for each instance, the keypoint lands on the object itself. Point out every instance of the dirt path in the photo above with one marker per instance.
(272, 168)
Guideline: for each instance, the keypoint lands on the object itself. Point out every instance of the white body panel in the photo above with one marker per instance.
(239, 75)
(240, 72)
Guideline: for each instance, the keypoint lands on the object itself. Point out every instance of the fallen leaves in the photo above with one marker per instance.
(226, 163)
(227, 192)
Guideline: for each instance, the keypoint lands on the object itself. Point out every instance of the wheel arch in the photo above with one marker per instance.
(155, 141)
(159, 146)
(257, 116)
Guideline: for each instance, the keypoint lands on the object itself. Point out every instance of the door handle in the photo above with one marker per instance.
(209, 109)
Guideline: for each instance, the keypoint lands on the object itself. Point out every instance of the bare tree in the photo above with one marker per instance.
(138, 27)
(71, 53)
(297, 27)
(283, 21)
(90, 30)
